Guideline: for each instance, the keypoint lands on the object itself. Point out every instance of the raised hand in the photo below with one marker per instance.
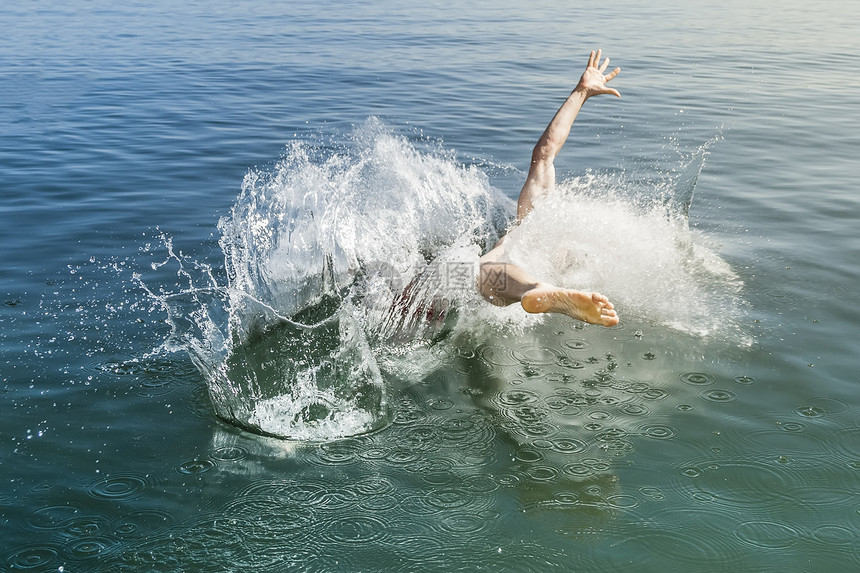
(593, 80)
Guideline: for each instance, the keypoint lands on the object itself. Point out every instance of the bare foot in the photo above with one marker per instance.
(590, 307)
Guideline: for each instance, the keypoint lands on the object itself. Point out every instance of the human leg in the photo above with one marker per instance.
(503, 283)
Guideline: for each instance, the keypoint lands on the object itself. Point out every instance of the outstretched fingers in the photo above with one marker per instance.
(604, 65)
(611, 74)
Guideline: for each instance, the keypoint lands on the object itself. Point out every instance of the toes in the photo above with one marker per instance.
(601, 300)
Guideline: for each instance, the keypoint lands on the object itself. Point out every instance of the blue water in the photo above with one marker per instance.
(715, 429)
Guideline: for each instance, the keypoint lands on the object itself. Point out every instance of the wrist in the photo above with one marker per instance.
(579, 93)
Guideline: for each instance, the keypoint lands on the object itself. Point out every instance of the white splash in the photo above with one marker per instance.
(343, 254)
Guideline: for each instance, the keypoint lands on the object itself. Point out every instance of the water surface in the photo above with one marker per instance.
(511, 444)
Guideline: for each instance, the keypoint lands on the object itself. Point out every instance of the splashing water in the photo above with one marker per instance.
(318, 252)
(634, 245)
(339, 253)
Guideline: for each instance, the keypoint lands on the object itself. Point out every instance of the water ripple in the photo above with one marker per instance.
(528, 355)
(278, 518)
(230, 453)
(657, 431)
(497, 356)
(577, 344)
(767, 534)
(85, 526)
(464, 523)
(53, 516)
(118, 487)
(449, 498)
(84, 549)
(195, 467)
(697, 378)
(835, 535)
(717, 395)
(696, 541)
(353, 529)
(743, 484)
(33, 557)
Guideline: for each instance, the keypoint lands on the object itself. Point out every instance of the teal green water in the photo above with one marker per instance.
(535, 447)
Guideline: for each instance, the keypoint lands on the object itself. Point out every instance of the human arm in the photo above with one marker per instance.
(541, 175)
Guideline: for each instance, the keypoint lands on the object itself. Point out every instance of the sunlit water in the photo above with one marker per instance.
(224, 226)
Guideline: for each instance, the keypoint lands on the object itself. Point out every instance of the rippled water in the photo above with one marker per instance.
(715, 429)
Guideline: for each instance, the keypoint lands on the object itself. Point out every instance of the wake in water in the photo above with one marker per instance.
(340, 253)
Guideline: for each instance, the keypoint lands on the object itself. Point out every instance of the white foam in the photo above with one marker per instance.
(379, 227)
(590, 235)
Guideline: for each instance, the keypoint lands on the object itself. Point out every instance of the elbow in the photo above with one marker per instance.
(545, 151)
